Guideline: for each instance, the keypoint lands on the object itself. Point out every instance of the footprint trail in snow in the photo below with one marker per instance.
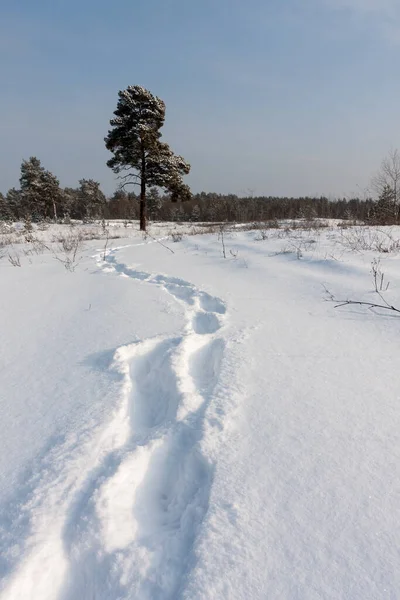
(124, 527)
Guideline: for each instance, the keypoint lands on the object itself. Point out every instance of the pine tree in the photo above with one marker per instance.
(31, 193)
(385, 210)
(14, 203)
(40, 190)
(71, 203)
(154, 203)
(5, 214)
(195, 216)
(138, 152)
(120, 205)
(52, 195)
(91, 199)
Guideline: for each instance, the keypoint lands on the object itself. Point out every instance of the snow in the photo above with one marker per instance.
(184, 426)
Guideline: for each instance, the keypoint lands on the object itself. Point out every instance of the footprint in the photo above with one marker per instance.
(162, 279)
(181, 292)
(117, 496)
(169, 508)
(204, 322)
(178, 288)
(205, 366)
(154, 395)
(211, 303)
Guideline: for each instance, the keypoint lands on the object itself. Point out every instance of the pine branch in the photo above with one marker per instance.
(122, 186)
(125, 179)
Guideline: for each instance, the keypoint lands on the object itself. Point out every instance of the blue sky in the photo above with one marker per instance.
(274, 96)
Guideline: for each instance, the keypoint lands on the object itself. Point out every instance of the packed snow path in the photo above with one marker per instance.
(125, 526)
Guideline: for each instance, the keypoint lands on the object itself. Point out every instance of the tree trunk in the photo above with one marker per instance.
(143, 208)
(143, 215)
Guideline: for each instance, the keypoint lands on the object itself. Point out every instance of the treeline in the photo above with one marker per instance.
(219, 207)
(40, 197)
(211, 207)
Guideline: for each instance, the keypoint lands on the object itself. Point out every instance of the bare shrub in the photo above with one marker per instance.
(203, 228)
(298, 246)
(262, 235)
(384, 304)
(6, 228)
(359, 239)
(176, 236)
(5, 240)
(313, 224)
(379, 276)
(222, 229)
(43, 225)
(346, 224)
(70, 243)
(38, 247)
(107, 234)
(292, 248)
(69, 247)
(28, 229)
(387, 243)
(14, 260)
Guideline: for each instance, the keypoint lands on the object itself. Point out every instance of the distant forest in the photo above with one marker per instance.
(208, 207)
(40, 197)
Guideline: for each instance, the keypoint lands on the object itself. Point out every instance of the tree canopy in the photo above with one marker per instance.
(139, 157)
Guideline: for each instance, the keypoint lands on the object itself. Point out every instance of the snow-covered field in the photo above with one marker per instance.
(180, 425)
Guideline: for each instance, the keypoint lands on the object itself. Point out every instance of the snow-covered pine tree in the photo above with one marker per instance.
(40, 190)
(91, 200)
(70, 203)
(31, 192)
(139, 156)
(52, 195)
(13, 203)
(180, 192)
(5, 214)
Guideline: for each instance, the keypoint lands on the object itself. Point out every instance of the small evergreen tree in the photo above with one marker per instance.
(388, 176)
(385, 210)
(138, 152)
